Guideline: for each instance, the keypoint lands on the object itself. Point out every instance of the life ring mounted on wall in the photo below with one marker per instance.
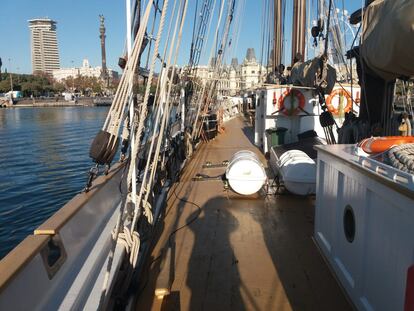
(339, 92)
(293, 110)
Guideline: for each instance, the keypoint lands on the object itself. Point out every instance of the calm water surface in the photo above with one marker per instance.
(44, 162)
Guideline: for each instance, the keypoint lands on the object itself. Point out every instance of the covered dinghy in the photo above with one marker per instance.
(388, 38)
(308, 74)
(298, 172)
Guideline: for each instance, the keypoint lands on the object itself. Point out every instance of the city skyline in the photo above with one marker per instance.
(78, 33)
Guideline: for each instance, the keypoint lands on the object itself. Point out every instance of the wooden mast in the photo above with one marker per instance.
(299, 28)
(278, 34)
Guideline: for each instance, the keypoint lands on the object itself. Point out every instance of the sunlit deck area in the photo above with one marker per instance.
(236, 253)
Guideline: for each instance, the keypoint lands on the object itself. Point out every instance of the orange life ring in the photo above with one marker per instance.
(340, 92)
(381, 144)
(298, 94)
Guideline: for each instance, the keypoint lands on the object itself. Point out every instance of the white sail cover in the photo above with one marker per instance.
(388, 38)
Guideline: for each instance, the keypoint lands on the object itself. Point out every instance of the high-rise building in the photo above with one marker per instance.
(45, 53)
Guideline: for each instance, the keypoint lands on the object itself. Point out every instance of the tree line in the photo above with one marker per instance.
(42, 84)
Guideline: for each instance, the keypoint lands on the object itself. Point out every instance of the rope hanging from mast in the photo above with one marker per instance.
(149, 128)
(202, 95)
(217, 66)
(111, 126)
(105, 144)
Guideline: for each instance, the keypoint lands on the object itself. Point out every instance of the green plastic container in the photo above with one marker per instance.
(275, 136)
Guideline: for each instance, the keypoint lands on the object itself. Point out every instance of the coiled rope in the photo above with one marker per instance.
(402, 157)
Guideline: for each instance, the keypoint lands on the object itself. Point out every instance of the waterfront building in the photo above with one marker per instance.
(251, 72)
(44, 45)
(235, 78)
(85, 71)
(204, 72)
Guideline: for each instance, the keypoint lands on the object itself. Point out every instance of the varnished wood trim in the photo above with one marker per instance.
(44, 232)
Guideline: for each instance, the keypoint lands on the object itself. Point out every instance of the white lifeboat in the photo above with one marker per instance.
(298, 172)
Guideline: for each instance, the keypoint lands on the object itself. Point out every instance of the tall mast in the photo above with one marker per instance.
(299, 28)
(278, 33)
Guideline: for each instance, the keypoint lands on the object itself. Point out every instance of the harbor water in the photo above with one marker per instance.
(44, 162)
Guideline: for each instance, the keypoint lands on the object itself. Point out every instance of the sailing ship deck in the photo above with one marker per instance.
(237, 253)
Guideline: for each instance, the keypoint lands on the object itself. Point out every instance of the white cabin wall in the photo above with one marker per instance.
(373, 267)
(296, 124)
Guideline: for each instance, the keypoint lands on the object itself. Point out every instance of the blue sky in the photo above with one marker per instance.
(78, 30)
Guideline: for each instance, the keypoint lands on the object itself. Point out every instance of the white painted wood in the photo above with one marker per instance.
(268, 117)
(373, 267)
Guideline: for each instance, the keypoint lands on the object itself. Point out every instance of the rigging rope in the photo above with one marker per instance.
(204, 50)
(150, 141)
(263, 34)
(128, 73)
(144, 105)
(152, 31)
(167, 104)
(144, 186)
(218, 64)
(104, 146)
(202, 93)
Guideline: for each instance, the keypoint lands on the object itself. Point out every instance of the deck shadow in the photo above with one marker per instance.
(248, 132)
(213, 274)
(240, 253)
(144, 296)
(287, 223)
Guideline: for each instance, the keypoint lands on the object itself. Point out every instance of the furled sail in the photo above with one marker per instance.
(388, 38)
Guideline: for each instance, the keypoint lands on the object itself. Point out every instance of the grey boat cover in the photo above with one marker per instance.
(388, 38)
(306, 145)
(306, 74)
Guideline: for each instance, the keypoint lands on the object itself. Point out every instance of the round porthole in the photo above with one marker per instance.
(349, 224)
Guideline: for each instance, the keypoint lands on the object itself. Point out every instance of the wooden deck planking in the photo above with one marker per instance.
(240, 253)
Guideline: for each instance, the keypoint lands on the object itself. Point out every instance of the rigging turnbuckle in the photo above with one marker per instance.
(93, 173)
